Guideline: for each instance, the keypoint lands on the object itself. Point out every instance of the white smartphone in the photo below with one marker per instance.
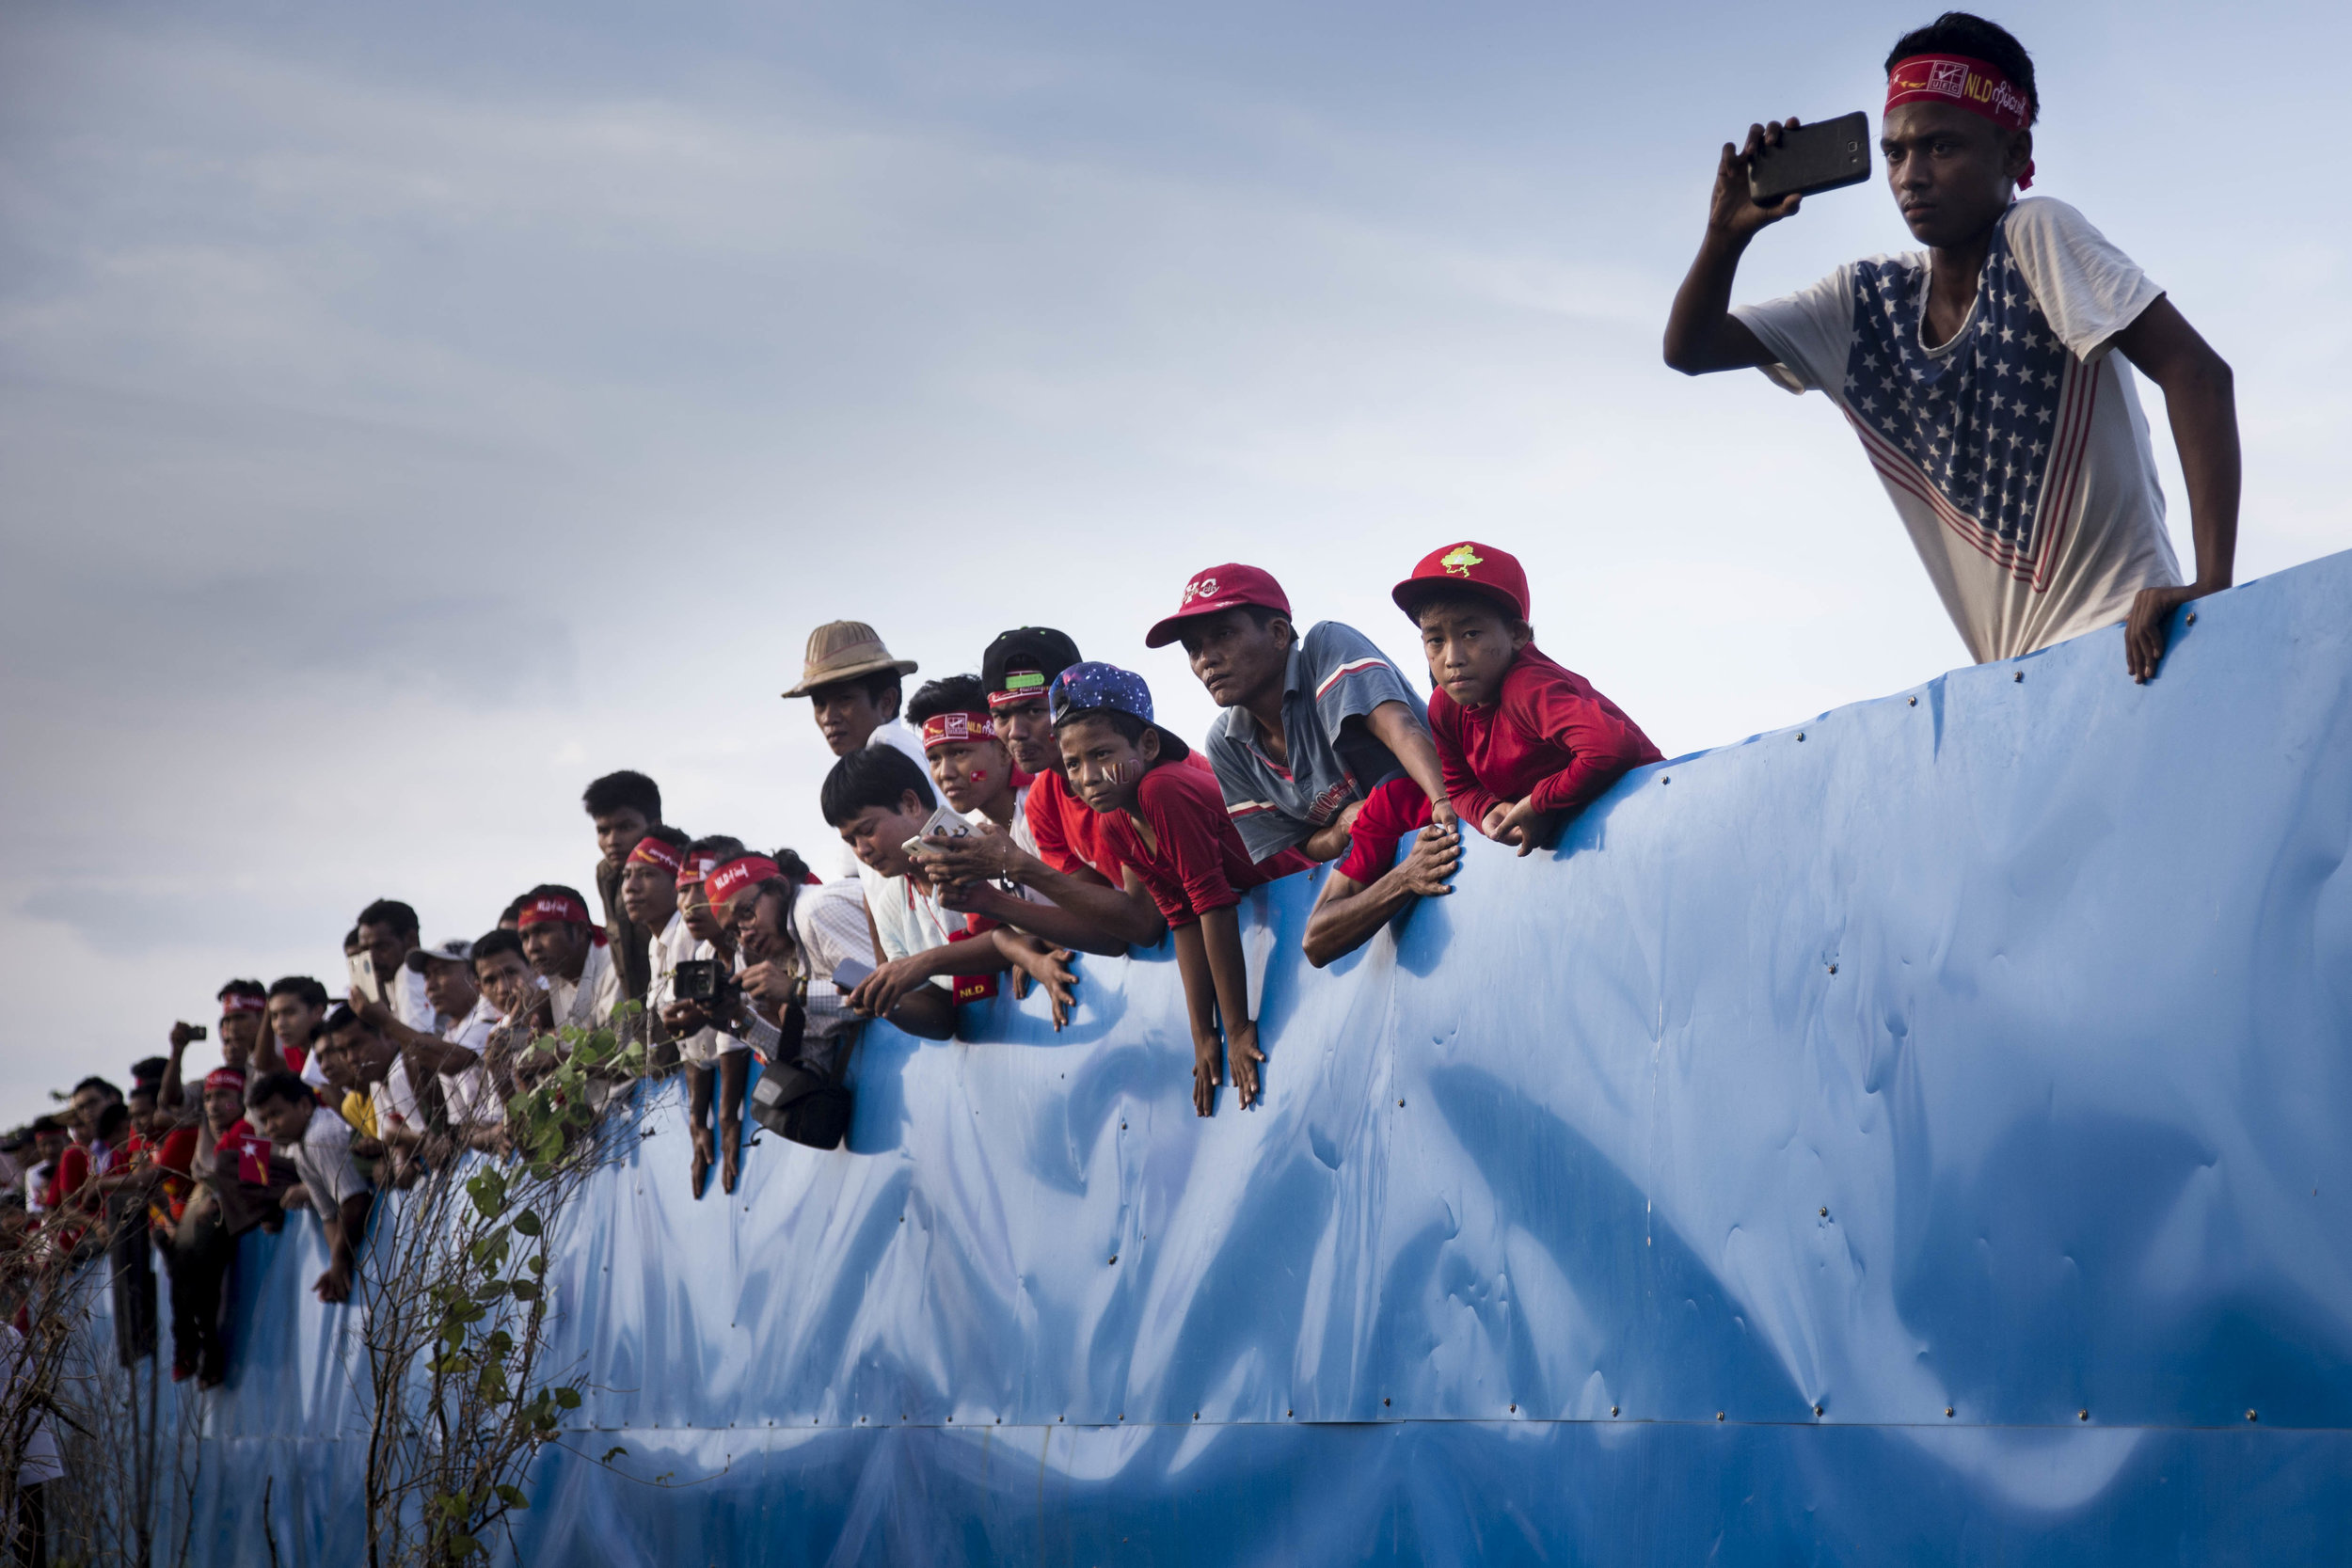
(946, 822)
(363, 981)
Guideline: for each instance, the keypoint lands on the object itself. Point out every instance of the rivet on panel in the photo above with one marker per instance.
(1914, 701)
(1824, 1210)
(1515, 1410)
(1061, 1418)
(1817, 1410)
(1290, 1413)
(2082, 1415)
(2019, 677)
(1384, 1401)
(2192, 621)
(1000, 1420)
(1663, 779)
(1400, 1104)
(1114, 1257)
(1196, 1415)
(2249, 1416)
(1947, 1411)
(1719, 1415)
(1799, 734)
(1612, 1410)
(1833, 969)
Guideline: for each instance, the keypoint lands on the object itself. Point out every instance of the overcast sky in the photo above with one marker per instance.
(410, 413)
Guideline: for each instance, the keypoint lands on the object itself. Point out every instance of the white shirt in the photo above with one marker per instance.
(893, 731)
(409, 1003)
(394, 1098)
(2016, 454)
(829, 923)
(587, 1003)
(322, 1159)
(907, 916)
(467, 1094)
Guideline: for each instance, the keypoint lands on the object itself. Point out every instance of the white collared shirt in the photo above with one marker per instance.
(588, 1002)
(467, 1094)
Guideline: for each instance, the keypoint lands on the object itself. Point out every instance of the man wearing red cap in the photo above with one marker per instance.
(1525, 744)
(1979, 373)
(1312, 725)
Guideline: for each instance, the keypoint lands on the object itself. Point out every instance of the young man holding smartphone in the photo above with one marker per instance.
(1979, 373)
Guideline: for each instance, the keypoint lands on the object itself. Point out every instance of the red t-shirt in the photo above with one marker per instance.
(1394, 808)
(175, 1156)
(1193, 860)
(1069, 832)
(73, 1170)
(1550, 736)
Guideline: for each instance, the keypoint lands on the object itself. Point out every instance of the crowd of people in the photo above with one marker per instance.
(996, 823)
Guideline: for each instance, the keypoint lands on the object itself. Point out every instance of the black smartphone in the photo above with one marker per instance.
(1822, 157)
(704, 980)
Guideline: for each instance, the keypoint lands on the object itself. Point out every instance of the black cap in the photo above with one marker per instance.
(1038, 651)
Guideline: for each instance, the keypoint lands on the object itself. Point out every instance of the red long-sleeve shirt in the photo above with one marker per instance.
(1193, 860)
(1549, 735)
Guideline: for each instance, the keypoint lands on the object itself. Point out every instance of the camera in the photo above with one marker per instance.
(709, 982)
(198, 1032)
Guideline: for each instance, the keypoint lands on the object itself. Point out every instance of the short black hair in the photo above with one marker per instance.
(949, 694)
(874, 776)
(149, 1070)
(242, 987)
(1449, 596)
(388, 911)
(876, 684)
(279, 1085)
(309, 991)
(351, 941)
(1965, 33)
(626, 790)
(491, 944)
(110, 1120)
(343, 1018)
(677, 838)
(725, 846)
(514, 909)
(101, 1084)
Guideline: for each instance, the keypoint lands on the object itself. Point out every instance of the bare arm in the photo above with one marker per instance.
(1701, 333)
(348, 1225)
(1220, 935)
(1346, 913)
(1408, 739)
(173, 1093)
(2201, 399)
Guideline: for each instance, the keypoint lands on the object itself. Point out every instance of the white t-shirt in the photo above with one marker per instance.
(2016, 454)
(394, 1098)
(467, 1094)
(322, 1159)
(587, 1003)
(906, 916)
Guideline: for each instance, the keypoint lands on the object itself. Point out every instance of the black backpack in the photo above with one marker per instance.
(796, 1101)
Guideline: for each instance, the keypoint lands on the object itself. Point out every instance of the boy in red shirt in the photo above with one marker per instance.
(1168, 825)
(1525, 744)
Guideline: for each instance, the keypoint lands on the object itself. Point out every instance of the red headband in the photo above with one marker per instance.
(242, 1001)
(734, 876)
(224, 1078)
(956, 729)
(553, 906)
(1967, 83)
(695, 867)
(652, 851)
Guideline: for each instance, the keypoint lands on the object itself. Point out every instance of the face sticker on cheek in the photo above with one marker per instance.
(979, 775)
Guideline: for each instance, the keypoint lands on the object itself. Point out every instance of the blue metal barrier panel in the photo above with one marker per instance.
(1917, 1134)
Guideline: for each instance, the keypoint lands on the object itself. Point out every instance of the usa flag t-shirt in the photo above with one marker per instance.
(2016, 453)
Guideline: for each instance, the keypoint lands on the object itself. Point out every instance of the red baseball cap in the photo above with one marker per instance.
(1217, 588)
(1480, 568)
